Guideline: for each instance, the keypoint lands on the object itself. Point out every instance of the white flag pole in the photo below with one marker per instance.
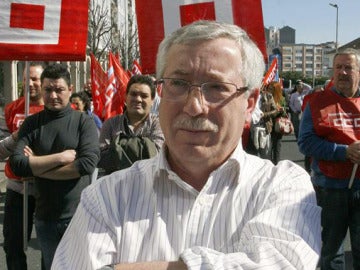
(353, 175)
(25, 183)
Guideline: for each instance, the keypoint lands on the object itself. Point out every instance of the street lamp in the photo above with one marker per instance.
(337, 23)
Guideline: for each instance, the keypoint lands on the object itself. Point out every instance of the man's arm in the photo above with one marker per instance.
(158, 265)
(311, 144)
(66, 172)
(7, 145)
(59, 166)
(156, 135)
(291, 102)
(106, 133)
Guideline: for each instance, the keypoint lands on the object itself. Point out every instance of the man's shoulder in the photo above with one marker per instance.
(15, 102)
(116, 119)
(14, 105)
(323, 98)
(153, 117)
(141, 173)
(265, 170)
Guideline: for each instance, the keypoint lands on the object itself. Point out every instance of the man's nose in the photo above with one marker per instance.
(53, 94)
(31, 83)
(194, 102)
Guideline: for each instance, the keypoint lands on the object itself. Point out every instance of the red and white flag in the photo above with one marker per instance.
(115, 92)
(51, 30)
(271, 73)
(168, 15)
(98, 84)
(136, 68)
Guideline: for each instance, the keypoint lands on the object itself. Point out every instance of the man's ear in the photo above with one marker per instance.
(71, 88)
(159, 89)
(252, 100)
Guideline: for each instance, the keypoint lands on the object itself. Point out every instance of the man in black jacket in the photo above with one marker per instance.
(59, 147)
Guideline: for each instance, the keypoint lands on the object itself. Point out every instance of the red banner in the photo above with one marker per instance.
(114, 96)
(48, 30)
(98, 83)
(271, 73)
(136, 68)
(168, 15)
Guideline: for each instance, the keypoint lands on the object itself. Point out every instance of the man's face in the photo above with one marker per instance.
(138, 100)
(211, 140)
(299, 87)
(346, 74)
(34, 82)
(56, 93)
(87, 86)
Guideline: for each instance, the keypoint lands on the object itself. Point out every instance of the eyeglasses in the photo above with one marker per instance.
(213, 92)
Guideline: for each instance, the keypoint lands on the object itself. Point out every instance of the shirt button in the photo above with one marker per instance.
(204, 201)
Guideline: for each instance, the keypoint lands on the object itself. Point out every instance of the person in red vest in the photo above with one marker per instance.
(330, 134)
(13, 213)
(317, 88)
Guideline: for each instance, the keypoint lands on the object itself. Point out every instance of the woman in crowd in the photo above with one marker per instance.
(276, 90)
(80, 101)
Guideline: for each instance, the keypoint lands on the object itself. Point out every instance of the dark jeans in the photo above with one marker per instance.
(295, 119)
(49, 234)
(275, 146)
(307, 164)
(13, 229)
(340, 212)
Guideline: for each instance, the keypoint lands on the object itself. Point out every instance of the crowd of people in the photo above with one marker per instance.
(177, 188)
(276, 102)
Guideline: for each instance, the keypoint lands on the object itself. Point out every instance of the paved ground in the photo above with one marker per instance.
(289, 151)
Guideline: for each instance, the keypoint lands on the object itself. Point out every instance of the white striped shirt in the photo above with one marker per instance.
(249, 215)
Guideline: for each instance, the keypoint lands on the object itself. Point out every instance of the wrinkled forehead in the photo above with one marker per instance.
(213, 57)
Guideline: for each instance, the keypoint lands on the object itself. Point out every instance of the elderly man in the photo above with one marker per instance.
(202, 203)
(330, 134)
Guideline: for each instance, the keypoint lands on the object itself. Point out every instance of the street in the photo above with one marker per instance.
(289, 151)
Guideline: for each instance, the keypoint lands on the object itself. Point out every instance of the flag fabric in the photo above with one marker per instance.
(114, 96)
(168, 15)
(271, 73)
(136, 68)
(98, 84)
(50, 30)
(329, 84)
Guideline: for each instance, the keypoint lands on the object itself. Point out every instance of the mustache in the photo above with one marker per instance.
(197, 124)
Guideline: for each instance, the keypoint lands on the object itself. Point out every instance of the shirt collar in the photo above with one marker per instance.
(357, 94)
(235, 162)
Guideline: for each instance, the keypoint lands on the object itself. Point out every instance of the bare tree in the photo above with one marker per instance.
(105, 33)
(125, 39)
(99, 36)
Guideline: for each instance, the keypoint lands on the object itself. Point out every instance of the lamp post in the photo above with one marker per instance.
(337, 23)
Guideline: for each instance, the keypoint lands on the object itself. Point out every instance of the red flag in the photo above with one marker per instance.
(43, 31)
(329, 84)
(136, 68)
(116, 88)
(271, 73)
(167, 16)
(98, 84)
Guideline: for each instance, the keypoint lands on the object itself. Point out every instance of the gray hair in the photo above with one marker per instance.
(252, 59)
(352, 51)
